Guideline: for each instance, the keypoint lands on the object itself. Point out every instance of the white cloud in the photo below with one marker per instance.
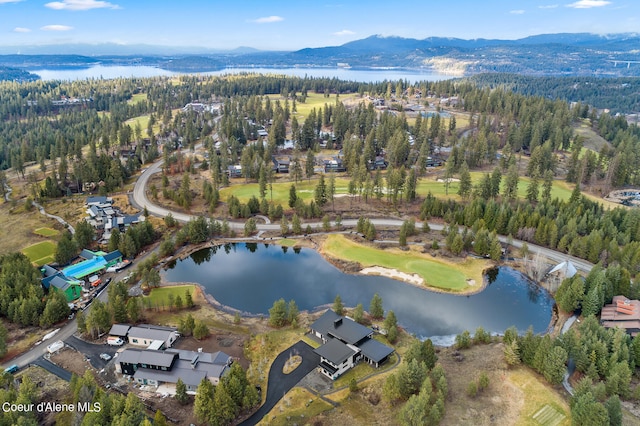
(9, 1)
(517, 12)
(343, 33)
(21, 30)
(549, 6)
(56, 28)
(588, 4)
(268, 19)
(81, 5)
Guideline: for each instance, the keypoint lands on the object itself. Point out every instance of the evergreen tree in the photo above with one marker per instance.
(203, 406)
(464, 189)
(358, 313)
(375, 308)
(181, 392)
(338, 307)
(278, 313)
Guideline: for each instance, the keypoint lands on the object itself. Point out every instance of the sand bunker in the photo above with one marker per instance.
(414, 279)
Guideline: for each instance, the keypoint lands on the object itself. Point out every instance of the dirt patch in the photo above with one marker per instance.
(500, 403)
(71, 360)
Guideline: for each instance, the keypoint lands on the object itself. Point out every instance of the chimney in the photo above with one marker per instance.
(337, 322)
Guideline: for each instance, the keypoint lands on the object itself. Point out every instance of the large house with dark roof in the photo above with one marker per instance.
(345, 343)
(164, 368)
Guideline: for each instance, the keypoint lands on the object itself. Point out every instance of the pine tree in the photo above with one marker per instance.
(181, 392)
(464, 189)
(338, 307)
(375, 308)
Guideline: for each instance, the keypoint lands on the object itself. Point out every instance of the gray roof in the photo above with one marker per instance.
(61, 283)
(87, 254)
(333, 325)
(96, 199)
(49, 270)
(335, 351)
(218, 357)
(188, 376)
(375, 350)
(151, 332)
(142, 356)
(119, 330)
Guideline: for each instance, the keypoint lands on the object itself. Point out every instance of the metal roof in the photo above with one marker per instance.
(345, 329)
(151, 332)
(143, 356)
(375, 350)
(119, 330)
(335, 351)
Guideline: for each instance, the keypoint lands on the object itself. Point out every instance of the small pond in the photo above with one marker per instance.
(250, 277)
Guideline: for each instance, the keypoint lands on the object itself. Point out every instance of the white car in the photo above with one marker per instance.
(105, 357)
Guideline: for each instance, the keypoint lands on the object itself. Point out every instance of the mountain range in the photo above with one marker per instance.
(576, 54)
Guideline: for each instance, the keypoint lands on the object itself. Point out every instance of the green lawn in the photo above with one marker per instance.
(160, 296)
(304, 189)
(46, 232)
(137, 98)
(436, 272)
(41, 253)
(314, 100)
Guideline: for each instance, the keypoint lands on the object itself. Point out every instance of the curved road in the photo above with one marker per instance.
(140, 200)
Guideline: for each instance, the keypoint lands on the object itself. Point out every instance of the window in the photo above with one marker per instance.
(134, 340)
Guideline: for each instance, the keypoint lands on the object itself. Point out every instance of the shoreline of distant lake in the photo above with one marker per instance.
(359, 74)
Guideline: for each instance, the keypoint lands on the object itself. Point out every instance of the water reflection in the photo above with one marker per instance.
(251, 278)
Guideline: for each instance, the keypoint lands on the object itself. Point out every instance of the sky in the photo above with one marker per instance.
(296, 24)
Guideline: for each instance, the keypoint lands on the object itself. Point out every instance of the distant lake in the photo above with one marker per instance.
(351, 74)
(250, 277)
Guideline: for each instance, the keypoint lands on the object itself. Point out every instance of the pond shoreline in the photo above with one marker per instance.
(347, 267)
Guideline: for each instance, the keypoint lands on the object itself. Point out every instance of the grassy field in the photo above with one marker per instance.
(17, 225)
(46, 232)
(137, 98)
(41, 253)
(160, 296)
(592, 140)
(314, 100)
(304, 189)
(437, 273)
(296, 407)
(542, 404)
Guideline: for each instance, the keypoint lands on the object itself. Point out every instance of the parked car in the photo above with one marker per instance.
(105, 357)
(11, 370)
(115, 341)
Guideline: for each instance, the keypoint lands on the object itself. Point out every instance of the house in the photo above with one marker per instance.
(164, 368)
(434, 162)
(378, 164)
(281, 164)
(146, 335)
(94, 263)
(234, 171)
(55, 280)
(334, 165)
(622, 313)
(119, 330)
(345, 343)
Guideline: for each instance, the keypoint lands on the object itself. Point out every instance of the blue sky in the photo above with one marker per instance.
(290, 25)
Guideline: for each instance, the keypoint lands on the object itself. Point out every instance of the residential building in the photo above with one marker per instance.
(622, 313)
(152, 336)
(345, 343)
(55, 280)
(164, 368)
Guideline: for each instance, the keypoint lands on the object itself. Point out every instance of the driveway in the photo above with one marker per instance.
(279, 383)
(92, 351)
(52, 368)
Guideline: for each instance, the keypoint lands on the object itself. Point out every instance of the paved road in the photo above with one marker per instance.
(140, 200)
(92, 351)
(279, 383)
(52, 368)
